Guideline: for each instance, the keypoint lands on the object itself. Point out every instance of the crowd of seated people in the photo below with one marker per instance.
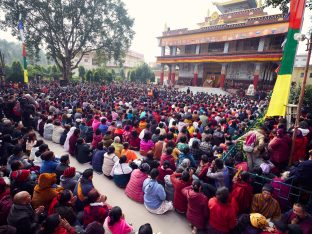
(167, 150)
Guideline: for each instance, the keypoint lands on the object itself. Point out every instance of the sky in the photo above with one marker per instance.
(151, 16)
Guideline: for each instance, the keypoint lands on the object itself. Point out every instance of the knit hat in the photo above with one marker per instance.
(20, 175)
(95, 228)
(258, 220)
(268, 187)
(69, 172)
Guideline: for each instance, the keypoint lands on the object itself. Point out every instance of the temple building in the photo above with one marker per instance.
(239, 46)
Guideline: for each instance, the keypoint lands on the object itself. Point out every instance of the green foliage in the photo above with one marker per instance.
(16, 74)
(82, 72)
(71, 29)
(89, 75)
(307, 100)
(13, 52)
(142, 73)
(128, 75)
(283, 4)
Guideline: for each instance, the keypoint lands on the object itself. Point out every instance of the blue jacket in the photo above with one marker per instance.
(97, 160)
(103, 128)
(86, 186)
(154, 193)
(189, 156)
(49, 166)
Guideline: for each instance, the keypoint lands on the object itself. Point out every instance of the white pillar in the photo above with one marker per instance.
(261, 44)
(197, 50)
(163, 49)
(226, 47)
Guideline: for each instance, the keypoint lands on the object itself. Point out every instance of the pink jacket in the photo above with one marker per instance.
(134, 187)
(95, 124)
(121, 227)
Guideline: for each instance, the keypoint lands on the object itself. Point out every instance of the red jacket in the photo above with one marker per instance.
(169, 158)
(279, 148)
(222, 217)
(197, 210)
(242, 194)
(162, 173)
(179, 201)
(300, 148)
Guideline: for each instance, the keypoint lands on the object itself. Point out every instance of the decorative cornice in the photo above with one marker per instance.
(269, 19)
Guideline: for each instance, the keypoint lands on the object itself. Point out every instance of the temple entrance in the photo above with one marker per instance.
(211, 74)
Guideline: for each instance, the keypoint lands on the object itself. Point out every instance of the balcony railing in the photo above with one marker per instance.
(225, 54)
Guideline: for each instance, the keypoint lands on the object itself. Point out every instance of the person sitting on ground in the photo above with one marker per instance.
(150, 160)
(96, 210)
(45, 190)
(130, 154)
(48, 130)
(135, 185)
(118, 146)
(115, 223)
(159, 146)
(300, 216)
(222, 212)
(64, 164)
(97, 137)
(109, 161)
(219, 173)
(70, 178)
(58, 130)
(167, 156)
(197, 209)
(179, 182)
(145, 229)
(103, 126)
(20, 179)
(146, 144)
(242, 191)
(83, 151)
(204, 165)
(63, 205)
(32, 157)
(98, 157)
(19, 156)
(73, 141)
(121, 172)
(134, 141)
(82, 189)
(107, 139)
(164, 170)
(5, 202)
(155, 195)
(185, 153)
(55, 224)
(265, 204)
(22, 216)
(49, 162)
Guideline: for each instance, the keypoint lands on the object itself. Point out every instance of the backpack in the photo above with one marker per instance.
(249, 143)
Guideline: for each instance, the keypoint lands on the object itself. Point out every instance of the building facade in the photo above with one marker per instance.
(239, 46)
(131, 60)
(299, 69)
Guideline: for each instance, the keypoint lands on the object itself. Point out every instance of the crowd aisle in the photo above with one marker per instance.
(135, 213)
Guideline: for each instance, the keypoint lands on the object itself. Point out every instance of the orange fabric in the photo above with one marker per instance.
(130, 154)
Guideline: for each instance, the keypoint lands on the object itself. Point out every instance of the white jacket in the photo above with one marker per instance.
(57, 133)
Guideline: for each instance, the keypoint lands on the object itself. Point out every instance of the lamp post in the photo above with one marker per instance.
(301, 37)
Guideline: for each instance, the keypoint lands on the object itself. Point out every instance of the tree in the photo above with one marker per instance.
(282, 4)
(113, 74)
(71, 29)
(89, 75)
(142, 73)
(128, 75)
(82, 72)
(17, 73)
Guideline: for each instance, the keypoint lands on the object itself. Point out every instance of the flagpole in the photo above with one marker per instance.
(304, 81)
(24, 53)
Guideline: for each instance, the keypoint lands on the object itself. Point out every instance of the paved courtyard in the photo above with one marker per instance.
(203, 89)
